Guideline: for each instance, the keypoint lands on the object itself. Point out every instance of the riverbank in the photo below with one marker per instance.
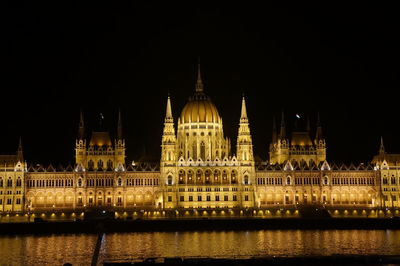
(307, 260)
(139, 225)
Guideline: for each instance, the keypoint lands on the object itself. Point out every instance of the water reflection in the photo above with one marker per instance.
(77, 249)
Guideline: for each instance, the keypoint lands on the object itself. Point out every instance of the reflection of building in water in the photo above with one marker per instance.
(198, 169)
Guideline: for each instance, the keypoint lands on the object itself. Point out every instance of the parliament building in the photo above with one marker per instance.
(198, 171)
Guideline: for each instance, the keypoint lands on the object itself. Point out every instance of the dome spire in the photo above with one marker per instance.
(199, 82)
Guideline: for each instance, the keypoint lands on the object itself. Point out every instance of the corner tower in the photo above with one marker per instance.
(300, 147)
(245, 158)
(100, 154)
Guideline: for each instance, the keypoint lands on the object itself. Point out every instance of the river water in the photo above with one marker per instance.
(78, 248)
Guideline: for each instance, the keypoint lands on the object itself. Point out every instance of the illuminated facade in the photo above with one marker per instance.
(198, 170)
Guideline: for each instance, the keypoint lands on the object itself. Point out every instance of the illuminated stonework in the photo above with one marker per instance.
(199, 170)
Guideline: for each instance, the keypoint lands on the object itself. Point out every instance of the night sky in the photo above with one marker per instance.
(340, 61)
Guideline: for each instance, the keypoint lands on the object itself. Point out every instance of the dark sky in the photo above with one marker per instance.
(341, 61)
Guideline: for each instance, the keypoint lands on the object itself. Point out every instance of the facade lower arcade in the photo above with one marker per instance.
(198, 170)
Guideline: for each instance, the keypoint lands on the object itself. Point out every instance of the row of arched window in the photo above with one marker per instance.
(9, 182)
(100, 165)
(317, 181)
(208, 177)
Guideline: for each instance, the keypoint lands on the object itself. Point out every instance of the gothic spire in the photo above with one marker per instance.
(318, 135)
(168, 113)
(199, 82)
(119, 129)
(243, 116)
(382, 147)
(81, 126)
(20, 154)
(283, 128)
(274, 133)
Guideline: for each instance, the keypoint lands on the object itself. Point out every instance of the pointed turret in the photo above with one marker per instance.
(282, 134)
(20, 154)
(81, 126)
(119, 129)
(199, 82)
(244, 142)
(274, 132)
(308, 124)
(168, 139)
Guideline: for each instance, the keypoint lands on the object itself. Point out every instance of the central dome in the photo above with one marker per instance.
(200, 109)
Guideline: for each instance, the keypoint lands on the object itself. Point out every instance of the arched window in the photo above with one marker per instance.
(9, 182)
(181, 177)
(194, 151)
(203, 150)
(1, 182)
(19, 182)
(119, 181)
(207, 176)
(198, 176)
(100, 164)
(288, 180)
(224, 176)
(216, 175)
(90, 165)
(109, 165)
(246, 179)
(233, 177)
(79, 182)
(190, 176)
(326, 180)
(169, 180)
